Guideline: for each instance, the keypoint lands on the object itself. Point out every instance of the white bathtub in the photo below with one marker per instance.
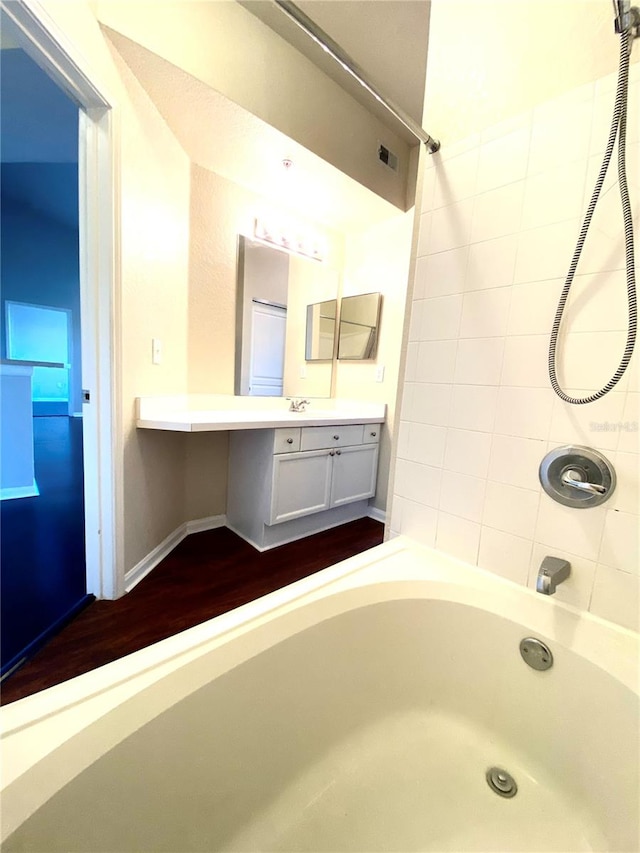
(358, 709)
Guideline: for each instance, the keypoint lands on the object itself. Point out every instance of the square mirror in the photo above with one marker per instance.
(359, 321)
(321, 330)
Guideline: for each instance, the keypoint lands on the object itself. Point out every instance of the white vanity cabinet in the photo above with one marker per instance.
(291, 482)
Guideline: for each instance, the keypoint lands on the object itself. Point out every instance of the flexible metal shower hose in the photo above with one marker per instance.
(618, 129)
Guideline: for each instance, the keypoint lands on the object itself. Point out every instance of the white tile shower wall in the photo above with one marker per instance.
(501, 212)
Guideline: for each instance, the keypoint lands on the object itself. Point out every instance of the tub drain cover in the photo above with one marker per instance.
(501, 782)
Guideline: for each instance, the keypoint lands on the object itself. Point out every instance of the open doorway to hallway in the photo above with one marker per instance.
(43, 566)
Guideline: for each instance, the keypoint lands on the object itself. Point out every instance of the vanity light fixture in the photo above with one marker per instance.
(288, 238)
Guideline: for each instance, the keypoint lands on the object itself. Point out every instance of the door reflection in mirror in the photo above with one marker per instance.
(273, 291)
(263, 276)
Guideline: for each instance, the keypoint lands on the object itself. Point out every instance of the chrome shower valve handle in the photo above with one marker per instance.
(577, 476)
(572, 477)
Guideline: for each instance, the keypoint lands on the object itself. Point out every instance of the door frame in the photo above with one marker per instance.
(41, 38)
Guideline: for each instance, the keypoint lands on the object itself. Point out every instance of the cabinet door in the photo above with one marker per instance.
(354, 474)
(301, 484)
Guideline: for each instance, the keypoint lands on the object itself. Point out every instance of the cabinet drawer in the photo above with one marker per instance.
(286, 440)
(315, 438)
(371, 433)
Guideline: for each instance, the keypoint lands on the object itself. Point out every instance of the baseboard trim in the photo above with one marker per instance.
(133, 577)
(246, 538)
(288, 539)
(210, 522)
(377, 514)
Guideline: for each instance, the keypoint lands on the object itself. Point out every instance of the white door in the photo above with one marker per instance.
(268, 329)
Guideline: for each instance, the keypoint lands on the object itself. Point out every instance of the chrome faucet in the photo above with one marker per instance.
(552, 572)
(298, 405)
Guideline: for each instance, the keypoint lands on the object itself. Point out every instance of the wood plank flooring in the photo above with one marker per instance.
(207, 574)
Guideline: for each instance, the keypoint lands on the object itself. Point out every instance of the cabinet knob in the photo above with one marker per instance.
(373, 434)
(336, 437)
(332, 453)
(290, 440)
(338, 452)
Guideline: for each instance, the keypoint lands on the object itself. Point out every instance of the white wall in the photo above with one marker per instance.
(220, 210)
(229, 49)
(152, 176)
(501, 210)
(155, 265)
(309, 282)
(491, 60)
(377, 260)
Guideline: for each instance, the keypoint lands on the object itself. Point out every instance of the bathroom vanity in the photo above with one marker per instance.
(291, 474)
(290, 482)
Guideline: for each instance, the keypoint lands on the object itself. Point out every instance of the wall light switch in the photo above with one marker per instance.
(303, 371)
(156, 351)
(380, 373)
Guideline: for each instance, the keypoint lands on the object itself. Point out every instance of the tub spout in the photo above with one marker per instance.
(552, 572)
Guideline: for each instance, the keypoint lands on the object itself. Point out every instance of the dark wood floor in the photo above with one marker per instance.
(207, 574)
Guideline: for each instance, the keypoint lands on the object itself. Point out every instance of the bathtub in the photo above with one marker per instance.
(358, 709)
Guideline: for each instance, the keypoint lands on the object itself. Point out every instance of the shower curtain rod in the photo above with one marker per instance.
(336, 52)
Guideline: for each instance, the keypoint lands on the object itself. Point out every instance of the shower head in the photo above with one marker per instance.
(621, 10)
(627, 17)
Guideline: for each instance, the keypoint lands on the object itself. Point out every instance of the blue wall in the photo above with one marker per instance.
(39, 197)
(42, 543)
(39, 122)
(39, 254)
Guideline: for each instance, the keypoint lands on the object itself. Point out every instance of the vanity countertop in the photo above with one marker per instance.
(192, 414)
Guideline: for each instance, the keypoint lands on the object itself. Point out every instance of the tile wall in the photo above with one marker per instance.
(500, 215)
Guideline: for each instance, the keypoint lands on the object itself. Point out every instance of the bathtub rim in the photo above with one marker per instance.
(33, 729)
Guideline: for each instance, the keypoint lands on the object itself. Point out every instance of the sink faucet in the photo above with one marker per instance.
(298, 405)
(551, 573)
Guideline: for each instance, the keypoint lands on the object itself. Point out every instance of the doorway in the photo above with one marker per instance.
(43, 568)
(69, 518)
(268, 335)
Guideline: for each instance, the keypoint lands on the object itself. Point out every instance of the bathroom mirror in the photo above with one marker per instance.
(273, 291)
(359, 321)
(321, 330)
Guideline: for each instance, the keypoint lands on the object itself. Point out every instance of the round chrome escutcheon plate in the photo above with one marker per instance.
(577, 476)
